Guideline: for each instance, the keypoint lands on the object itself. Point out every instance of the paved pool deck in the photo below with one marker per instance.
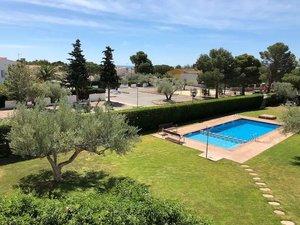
(240, 154)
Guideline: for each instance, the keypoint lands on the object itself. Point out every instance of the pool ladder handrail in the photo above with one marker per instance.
(224, 137)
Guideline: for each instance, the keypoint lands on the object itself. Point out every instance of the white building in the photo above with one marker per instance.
(4, 63)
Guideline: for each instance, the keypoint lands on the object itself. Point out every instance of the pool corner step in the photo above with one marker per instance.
(211, 157)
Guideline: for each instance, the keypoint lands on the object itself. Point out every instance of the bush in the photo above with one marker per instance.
(4, 143)
(124, 202)
(149, 118)
(93, 90)
(273, 100)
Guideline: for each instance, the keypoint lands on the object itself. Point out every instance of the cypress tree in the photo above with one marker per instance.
(108, 73)
(77, 74)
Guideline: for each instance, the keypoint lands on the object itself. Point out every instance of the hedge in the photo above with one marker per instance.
(2, 101)
(149, 118)
(273, 100)
(120, 202)
(4, 143)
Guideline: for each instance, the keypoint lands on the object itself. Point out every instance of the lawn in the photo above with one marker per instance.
(221, 191)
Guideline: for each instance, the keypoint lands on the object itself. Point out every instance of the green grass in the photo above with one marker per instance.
(279, 167)
(221, 191)
(276, 111)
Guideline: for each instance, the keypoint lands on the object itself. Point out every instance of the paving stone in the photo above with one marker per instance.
(268, 196)
(287, 222)
(253, 174)
(256, 178)
(265, 189)
(274, 203)
(260, 184)
(245, 166)
(279, 212)
(249, 170)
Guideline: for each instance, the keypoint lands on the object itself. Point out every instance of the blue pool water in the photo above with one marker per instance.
(232, 134)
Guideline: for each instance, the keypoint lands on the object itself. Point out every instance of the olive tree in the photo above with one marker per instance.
(48, 133)
(169, 86)
(291, 120)
(285, 91)
(18, 82)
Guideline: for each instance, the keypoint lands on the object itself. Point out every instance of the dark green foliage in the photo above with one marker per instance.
(3, 98)
(93, 69)
(211, 79)
(141, 63)
(273, 100)
(118, 201)
(278, 61)
(218, 61)
(4, 143)
(108, 73)
(162, 69)
(93, 90)
(149, 118)
(247, 71)
(204, 63)
(77, 73)
(293, 78)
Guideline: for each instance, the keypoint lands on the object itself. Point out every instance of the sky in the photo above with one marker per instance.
(170, 31)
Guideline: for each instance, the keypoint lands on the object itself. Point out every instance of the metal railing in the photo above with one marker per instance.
(224, 137)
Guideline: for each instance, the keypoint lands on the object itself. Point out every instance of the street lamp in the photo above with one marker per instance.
(206, 150)
(137, 95)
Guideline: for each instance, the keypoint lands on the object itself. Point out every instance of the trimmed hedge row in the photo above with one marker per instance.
(149, 118)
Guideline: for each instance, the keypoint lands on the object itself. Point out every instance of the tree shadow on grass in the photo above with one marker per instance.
(42, 184)
(296, 161)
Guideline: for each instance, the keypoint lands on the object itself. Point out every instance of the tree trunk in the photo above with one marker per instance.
(243, 90)
(108, 94)
(217, 90)
(269, 85)
(57, 167)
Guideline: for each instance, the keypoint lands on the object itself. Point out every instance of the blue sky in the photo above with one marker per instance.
(169, 31)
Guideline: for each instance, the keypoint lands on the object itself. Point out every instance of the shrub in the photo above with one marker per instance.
(3, 98)
(273, 100)
(125, 202)
(4, 143)
(149, 118)
(93, 90)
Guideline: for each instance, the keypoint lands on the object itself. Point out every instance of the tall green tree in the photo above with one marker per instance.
(141, 63)
(108, 73)
(247, 69)
(293, 78)
(211, 79)
(39, 132)
(218, 61)
(204, 63)
(278, 60)
(18, 82)
(77, 72)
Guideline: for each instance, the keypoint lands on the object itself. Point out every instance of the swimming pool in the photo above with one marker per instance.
(232, 134)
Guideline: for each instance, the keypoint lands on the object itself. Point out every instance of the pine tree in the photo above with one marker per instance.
(77, 74)
(108, 73)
